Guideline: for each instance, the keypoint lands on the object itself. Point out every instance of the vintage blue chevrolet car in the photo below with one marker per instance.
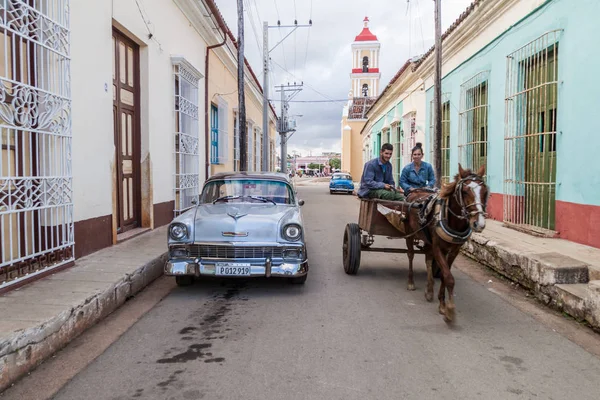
(341, 182)
(244, 224)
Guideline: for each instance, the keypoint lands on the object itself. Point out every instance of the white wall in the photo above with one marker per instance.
(91, 71)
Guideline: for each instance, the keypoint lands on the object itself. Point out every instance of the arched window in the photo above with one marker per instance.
(365, 65)
(365, 90)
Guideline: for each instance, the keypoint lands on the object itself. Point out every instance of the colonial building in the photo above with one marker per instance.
(111, 120)
(517, 96)
(364, 88)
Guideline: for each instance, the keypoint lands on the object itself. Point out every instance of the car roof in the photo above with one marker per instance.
(341, 173)
(276, 176)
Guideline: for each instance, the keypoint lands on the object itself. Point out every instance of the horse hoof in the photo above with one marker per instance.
(429, 297)
(449, 315)
(411, 286)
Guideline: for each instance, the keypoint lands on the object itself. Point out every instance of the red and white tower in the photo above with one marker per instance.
(365, 63)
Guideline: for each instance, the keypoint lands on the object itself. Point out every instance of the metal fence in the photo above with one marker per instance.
(187, 141)
(530, 134)
(36, 196)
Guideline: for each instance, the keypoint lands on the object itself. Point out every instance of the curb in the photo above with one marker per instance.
(557, 280)
(28, 348)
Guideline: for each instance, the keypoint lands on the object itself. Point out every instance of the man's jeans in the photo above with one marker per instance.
(385, 194)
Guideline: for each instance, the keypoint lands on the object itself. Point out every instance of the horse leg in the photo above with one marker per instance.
(446, 309)
(411, 254)
(429, 263)
(450, 306)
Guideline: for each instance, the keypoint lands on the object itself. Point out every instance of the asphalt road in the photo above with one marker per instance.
(338, 336)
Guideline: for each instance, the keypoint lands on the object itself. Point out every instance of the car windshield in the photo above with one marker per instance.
(338, 177)
(247, 191)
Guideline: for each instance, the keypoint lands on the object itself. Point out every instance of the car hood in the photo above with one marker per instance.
(249, 222)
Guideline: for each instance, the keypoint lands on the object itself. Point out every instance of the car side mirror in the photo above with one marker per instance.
(301, 202)
(194, 201)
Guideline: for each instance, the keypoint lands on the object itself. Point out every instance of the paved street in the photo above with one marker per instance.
(337, 337)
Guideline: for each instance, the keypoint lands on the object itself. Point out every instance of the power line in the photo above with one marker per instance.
(315, 90)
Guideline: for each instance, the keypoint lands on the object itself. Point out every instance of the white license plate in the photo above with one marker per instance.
(232, 269)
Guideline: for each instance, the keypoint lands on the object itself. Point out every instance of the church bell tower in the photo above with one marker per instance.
(365, 64)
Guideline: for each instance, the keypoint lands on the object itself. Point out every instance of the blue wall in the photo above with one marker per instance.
(578, 169)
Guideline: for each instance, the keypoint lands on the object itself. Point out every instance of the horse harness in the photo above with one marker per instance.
(440, 209)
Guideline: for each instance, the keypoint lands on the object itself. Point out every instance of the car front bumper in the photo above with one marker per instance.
(190, 267)
(341, 189)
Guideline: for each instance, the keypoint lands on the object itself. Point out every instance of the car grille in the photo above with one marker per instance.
(218, 251)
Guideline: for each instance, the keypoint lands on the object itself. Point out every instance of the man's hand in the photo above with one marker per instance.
(387, 186)
(399, 190)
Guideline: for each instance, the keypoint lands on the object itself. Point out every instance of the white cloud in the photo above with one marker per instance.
(403, 32)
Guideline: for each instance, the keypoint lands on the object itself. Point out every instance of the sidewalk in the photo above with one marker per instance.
(563, 274)
(40, 318)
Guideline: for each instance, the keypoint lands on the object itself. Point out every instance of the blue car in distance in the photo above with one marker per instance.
(341, 182)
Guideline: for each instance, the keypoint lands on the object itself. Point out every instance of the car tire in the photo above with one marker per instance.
(299, 280)
(184, 280)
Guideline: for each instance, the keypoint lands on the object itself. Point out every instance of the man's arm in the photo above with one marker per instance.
(431, 176)
(370, 178)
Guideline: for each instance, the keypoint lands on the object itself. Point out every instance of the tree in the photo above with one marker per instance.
(335, 163)
(314, 166)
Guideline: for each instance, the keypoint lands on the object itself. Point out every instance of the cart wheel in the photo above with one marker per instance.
(351, 249)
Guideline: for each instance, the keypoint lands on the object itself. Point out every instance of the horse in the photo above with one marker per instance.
(444, 223)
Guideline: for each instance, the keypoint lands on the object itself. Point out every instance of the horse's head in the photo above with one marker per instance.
(471, 192)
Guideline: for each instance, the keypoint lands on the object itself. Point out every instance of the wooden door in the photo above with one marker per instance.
(126, 130)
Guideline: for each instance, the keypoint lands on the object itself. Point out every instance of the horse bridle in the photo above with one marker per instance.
(458, 195)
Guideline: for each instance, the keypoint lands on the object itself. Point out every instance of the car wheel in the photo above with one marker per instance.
(184, 280)
(299, 280)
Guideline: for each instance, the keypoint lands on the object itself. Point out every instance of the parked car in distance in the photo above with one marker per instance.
(245, 224)
(341, 182)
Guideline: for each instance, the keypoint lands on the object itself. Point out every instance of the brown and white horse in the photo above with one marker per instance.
(453, 213)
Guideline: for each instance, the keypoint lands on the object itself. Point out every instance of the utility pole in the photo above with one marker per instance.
(438, 95)
(241, 96)
(265, 142)
(283, 126)
(266, 51)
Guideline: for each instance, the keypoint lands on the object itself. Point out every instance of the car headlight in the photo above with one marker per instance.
(292, 232)
(178, 231)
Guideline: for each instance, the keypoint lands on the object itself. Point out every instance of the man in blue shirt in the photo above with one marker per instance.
(377, 181)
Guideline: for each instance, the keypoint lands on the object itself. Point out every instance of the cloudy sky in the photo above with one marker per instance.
(320, 56)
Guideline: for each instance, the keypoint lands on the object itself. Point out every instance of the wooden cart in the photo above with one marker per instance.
(371, 222)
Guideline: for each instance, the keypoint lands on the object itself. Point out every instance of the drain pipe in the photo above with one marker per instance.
(214, 11)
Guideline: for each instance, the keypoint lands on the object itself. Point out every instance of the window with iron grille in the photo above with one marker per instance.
(410, 135)
(223, 136)
(258, 148)
(397, 142)
(473, 122)
(36, 194)
(530, 134)
(187, 141)
(250, 136)
(445, 143)
(214, 134)
(236, 141)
